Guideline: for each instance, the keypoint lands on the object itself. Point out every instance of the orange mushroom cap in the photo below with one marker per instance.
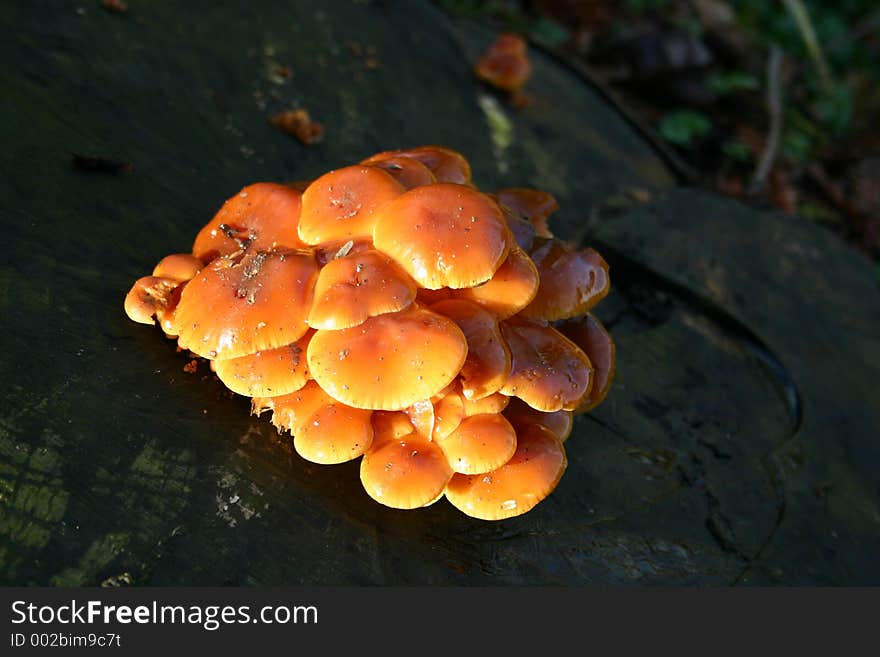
(595, 341)
(355, 287)
(267, 373)
(405, 473)
(179, 267)
(448, 412)
(571, 282)
(488, 359)
(408, 171)
(559, 422)
(505, 63)
(324, 430)
(494, 403)
(390, 361)
(149, 295)
(511, 288)
(549, 372)
(241, 305)
(260, 217)
(444, 235)
(342, 204)
(481, 443)
(390, 425)
(447, 165)
(531, 205)
(516, 487)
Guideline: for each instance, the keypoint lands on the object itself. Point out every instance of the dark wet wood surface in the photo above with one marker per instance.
(739, 443)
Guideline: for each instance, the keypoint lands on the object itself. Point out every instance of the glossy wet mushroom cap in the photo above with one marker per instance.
(511, 288)
(505, 63)
(444, 235)
(408, 171)
(549, 372)
(389, 361)
(480, 443)
(355, 287)
(260, 217)
(530, 205)
(571, 282)
(341, 204)
(447, 165)
(595, 341)
(516, 487)
(487, 365)
(559, 422)
(149, 295)
(405, 473)
(267, 373)
(241, 305)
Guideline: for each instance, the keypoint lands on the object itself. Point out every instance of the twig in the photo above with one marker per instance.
(774, 109)
(808, 34)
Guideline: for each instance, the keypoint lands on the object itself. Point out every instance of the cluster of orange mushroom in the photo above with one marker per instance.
(390, 311)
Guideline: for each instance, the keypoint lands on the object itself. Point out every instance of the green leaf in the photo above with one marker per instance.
(683, 126)
(736, 151)
(731, 82)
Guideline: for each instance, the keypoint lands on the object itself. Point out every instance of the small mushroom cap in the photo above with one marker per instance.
(448, 413)
(334, 433)
(390, 425)
(444, 235)
(549, 372)
(324, 431)
(408, 171)
(572, 282)
(494, 403)
(390, 361)
(488, 359)
(355, 287)
(505, 63)
(595, 341)
(291, 411)
(405, 473)
(241, 305)
(516, 487)
(559, 422)
(531, 205)
(179, 267)
(342, 204)
(267, 373)
(260, 217)
(481, 443)
(447, 165)
(149, 295)
(510, 289)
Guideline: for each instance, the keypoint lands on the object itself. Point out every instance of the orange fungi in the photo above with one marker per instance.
(505, 63)
(261, 216)
(531, 205)
(595, 341)
(391, 311)
(444, 235)
(487, 365)
(510, 289)
(390, 361)
(325, 431)
(550, 372)
(572, 281)
(341, 205)
(559, 422)
(517, 486)
(479, 444)
(405, 473)
(446, 164)
(352, 288)
(241, 305)
(267, 373)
